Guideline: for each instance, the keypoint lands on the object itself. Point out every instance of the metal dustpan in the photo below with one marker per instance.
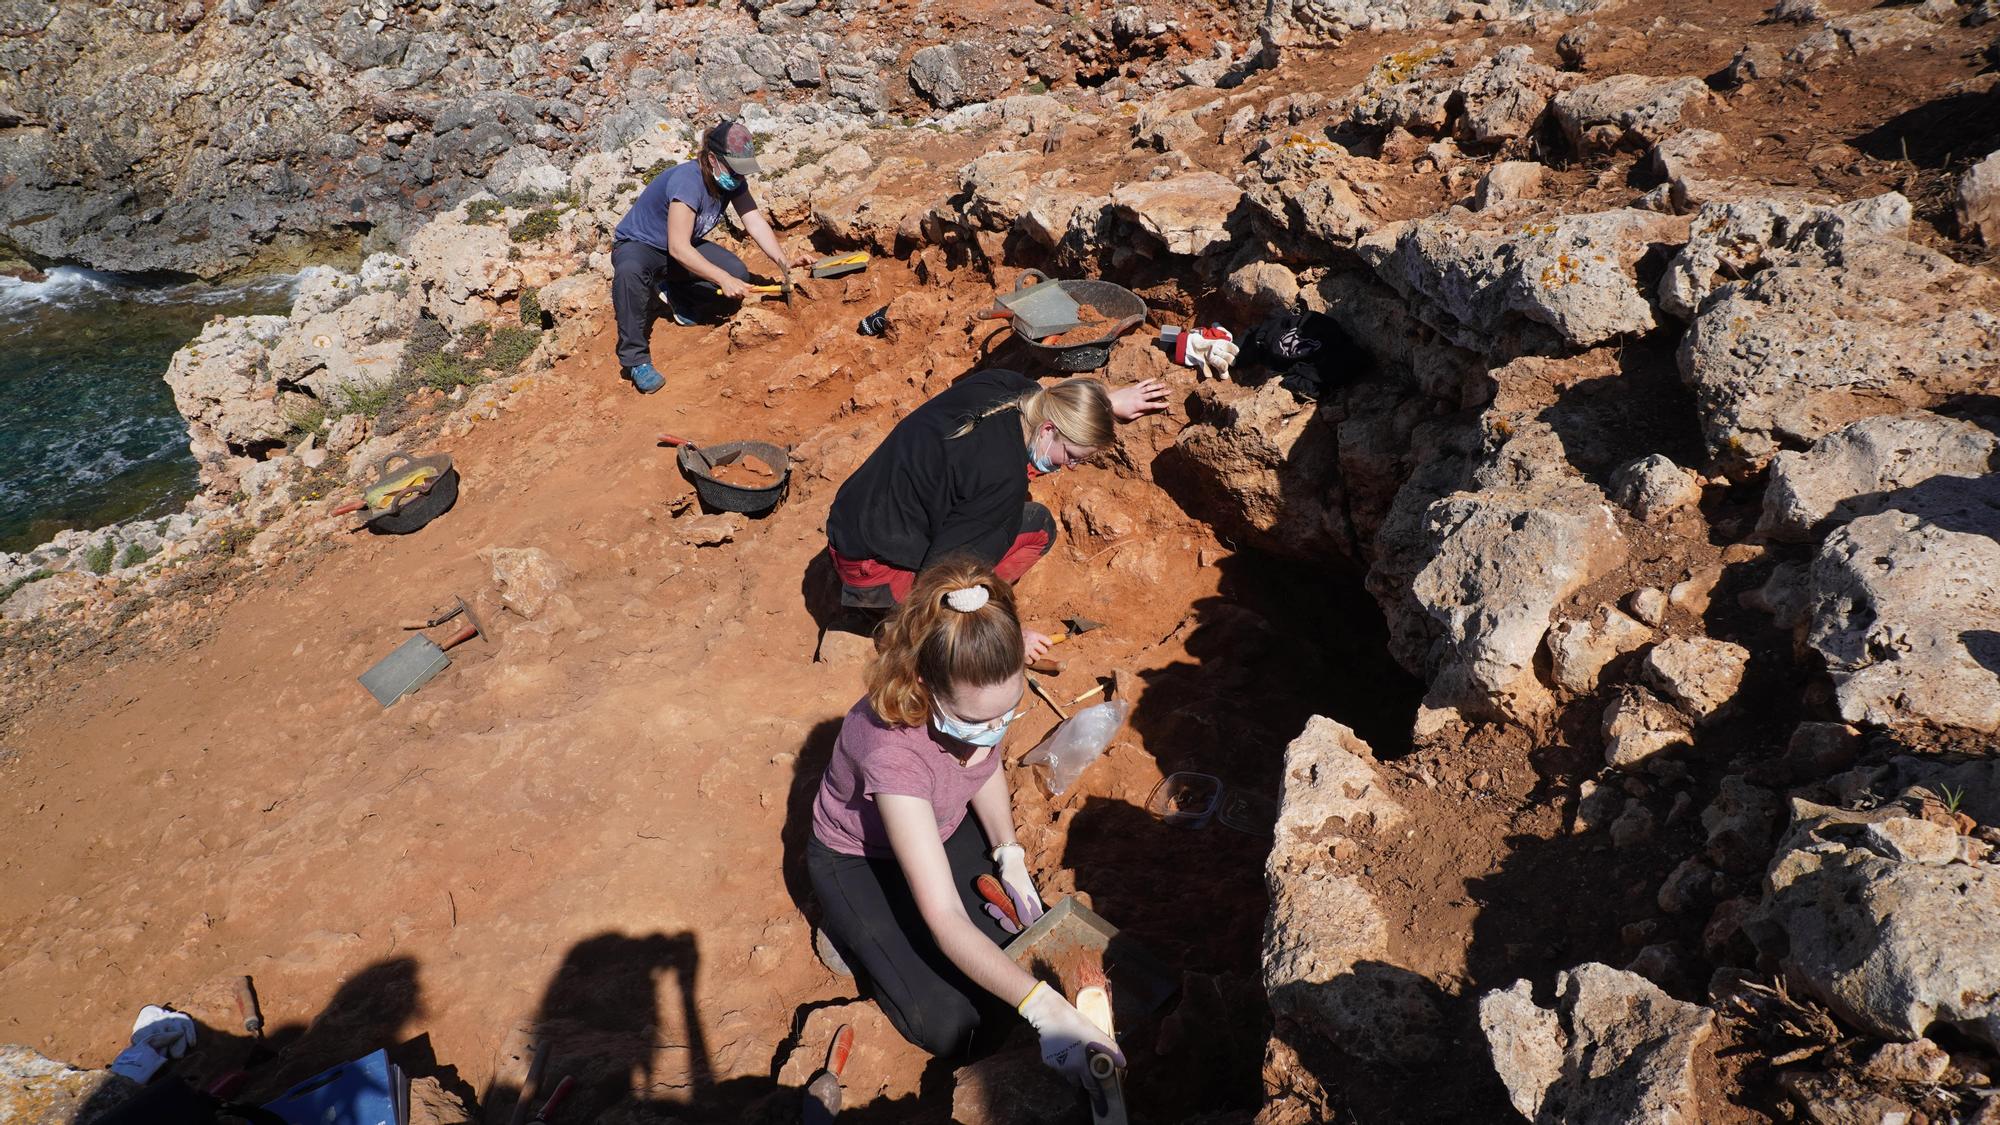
(1041, 309)
(414, 663)
(1071, 937)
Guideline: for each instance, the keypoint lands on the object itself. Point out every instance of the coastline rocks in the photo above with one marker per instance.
(461, 270)
(223, 385)
(346, 330)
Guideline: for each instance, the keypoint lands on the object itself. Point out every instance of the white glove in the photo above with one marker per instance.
(1210, 350)
(1012, 862)
(1067, 1037)
(158, 1034)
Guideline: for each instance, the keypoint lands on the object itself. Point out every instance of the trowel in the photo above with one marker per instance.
(418, 660)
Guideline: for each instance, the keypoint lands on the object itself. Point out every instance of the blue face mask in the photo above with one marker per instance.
(727, 180)
(981, 735)
(1041, 463)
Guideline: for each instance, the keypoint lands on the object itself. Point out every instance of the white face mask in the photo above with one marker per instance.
(980, 734)
(1044, 462)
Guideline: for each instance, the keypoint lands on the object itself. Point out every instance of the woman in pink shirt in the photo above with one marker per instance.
(894, 852)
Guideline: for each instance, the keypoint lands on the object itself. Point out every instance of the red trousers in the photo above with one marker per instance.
(868, 574)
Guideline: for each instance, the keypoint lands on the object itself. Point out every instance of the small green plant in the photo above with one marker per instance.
(658, 167)
(510, 348)
(235, 538)
(1951, 797)
(531, 307)
(134, 555)
(1038, 87)
(484, 212)
(351, 398)
(13, 587)
(306, 419)
(473, 337)
(536, 225)
(444, 371)
(97, 559)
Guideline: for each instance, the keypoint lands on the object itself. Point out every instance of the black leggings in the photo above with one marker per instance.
(872, 918)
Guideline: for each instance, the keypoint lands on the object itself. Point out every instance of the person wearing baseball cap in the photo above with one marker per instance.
(661, 258)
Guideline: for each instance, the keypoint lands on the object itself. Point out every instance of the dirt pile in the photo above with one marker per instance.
(1633, 601)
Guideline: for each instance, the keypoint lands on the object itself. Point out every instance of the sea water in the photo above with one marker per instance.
(88, 430)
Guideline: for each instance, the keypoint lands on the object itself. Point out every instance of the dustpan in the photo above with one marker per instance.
(1043, 308)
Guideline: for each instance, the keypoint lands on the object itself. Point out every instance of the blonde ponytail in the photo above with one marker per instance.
(1079, 408)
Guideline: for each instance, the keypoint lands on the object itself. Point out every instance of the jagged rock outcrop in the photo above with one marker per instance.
(1329, 961)
(1881, 917)
(346, 331)
(1499, 99)
(1614, 1049)
(1261, 466)
(1507, 287)
(1186, 214)
(956, 74)
(1288, 22)
(224, 387)
(1904, 607)
(1835, 319)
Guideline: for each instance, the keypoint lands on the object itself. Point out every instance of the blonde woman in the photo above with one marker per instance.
(952, 478)
(914, 807)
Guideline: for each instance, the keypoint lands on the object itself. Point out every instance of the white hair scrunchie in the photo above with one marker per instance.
(968, 599)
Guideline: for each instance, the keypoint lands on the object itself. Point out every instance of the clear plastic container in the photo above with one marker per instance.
(1252, 814)
(1186, 799)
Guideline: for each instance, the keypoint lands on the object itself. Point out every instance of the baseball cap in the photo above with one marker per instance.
(730, 140)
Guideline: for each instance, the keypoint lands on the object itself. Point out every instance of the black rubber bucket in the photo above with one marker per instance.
(730, 497)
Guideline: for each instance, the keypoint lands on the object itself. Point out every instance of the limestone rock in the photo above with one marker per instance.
(1730, 241)
(1629, 110)
(1499, 99)
(1307, 22)
(432, 1104)
(956, 74)
(1653, 486)
(527, 576)
(1648, 605)
(1637, 726)
(461, 270)
(1690, 885)
(1258, 465)
(1840, 323)
(1863, 469)
(1502, 562)
(1893, 945)
(1187, 214)
(1262, 287)
(1615, 1048)
(1507, 182)
(1496, 288)
(1700, 673)
(1579, 650)
(35, 1090)
(1978, 201)
(1327, 962)
(1527, 1042)
(1920, 1063)
(346, 330)
(1904, 608)
(222, 385)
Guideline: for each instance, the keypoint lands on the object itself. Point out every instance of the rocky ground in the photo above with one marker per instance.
(1613, 633)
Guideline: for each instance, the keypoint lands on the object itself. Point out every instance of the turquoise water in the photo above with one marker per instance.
(88, 431)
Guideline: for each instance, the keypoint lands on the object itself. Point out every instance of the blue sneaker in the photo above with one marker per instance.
(645, 378)
(680, 318)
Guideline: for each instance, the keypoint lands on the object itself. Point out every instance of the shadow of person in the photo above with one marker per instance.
(370, 1010)
(601, 1016)
(814, 753)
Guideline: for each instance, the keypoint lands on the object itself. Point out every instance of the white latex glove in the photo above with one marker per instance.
(1209, 350)
(158, 1034)
(1012, 863)
(1066, 1035)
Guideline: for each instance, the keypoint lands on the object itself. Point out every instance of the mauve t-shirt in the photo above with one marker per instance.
(872, 757)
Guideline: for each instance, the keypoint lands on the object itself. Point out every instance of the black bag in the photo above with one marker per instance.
(1305, 350)
(176, 1103)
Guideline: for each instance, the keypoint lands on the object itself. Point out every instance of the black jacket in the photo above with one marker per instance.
(923, 495)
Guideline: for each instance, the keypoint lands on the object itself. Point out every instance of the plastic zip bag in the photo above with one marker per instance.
(1070, 749)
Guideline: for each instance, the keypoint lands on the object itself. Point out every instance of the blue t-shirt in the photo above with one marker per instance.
(647, 220)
